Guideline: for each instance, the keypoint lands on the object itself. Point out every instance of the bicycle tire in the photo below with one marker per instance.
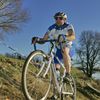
(69, 87)
(40, 90)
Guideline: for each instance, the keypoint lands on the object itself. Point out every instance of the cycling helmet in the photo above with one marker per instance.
(60, 14)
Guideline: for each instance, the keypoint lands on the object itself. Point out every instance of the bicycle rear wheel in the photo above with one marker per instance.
(35, 84)
(69, 90)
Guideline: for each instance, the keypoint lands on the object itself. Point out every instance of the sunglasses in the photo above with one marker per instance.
(61, 18)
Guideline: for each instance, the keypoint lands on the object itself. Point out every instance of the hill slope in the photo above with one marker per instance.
(10, 81)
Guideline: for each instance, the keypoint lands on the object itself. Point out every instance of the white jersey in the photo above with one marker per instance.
(54, 31)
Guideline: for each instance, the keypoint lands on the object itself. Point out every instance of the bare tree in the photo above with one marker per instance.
(11, 16)
(89, 51)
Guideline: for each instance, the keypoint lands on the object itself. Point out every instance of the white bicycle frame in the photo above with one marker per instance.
(53, 69)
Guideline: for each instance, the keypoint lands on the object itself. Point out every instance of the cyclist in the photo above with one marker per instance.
(61, 27)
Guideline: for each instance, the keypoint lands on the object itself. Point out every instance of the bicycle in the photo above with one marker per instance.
(39, 78)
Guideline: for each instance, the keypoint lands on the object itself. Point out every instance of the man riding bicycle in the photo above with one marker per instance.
(61, 27)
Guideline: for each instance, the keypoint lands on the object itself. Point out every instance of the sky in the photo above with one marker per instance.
(82, 14)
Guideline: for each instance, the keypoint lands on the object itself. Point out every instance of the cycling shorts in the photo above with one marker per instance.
(59, 55)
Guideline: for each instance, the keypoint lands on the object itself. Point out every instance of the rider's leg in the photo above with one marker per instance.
(57, 71)
(67, 59)
(60, 57)
(57, 66)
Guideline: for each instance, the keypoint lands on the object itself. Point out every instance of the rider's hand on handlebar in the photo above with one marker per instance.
(61, 38)
(34, 40)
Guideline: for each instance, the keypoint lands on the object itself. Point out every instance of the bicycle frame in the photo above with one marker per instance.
(51, 55)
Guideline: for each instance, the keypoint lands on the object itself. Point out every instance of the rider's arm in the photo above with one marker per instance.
(46, 36)
(40, 40)
(70, 34)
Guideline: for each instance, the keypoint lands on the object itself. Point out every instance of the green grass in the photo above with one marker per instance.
(10, 81)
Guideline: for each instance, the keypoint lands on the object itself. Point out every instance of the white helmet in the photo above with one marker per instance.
(60, 14)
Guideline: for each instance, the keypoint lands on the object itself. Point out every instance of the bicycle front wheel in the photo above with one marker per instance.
(35, 81)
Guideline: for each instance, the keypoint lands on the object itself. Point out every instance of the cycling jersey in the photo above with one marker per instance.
(54, 31)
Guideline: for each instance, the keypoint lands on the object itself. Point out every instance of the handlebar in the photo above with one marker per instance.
(51, 41)
(44, 41)
(54, 40)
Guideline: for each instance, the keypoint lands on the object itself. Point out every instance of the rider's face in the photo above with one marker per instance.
(60, 20)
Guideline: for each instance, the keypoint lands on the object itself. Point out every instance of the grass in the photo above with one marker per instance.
(83, 91)
(10, 81)
(10, 78)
